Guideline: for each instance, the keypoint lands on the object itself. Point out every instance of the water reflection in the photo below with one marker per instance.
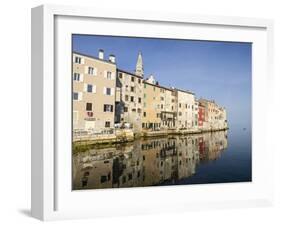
(146, 162)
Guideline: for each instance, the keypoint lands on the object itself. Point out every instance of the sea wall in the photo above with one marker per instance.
(85, 142)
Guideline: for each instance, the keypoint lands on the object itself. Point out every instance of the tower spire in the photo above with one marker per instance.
(139, 65)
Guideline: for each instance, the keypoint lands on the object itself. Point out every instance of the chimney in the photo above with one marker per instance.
(112, 58)
(101, 54)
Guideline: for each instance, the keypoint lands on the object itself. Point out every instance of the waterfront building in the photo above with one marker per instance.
(215, 116)
(129, 98)
(159, 106)
(151, 118)
(168, 100)
(201, 115)
(208, 106)
(195, 114)
(185, 109)
(106, 97)
(93, 92)
(220, 118)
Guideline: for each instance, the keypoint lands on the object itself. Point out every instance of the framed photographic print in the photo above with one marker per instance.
(143, 113)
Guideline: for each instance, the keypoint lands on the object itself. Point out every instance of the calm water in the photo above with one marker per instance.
(217, 157)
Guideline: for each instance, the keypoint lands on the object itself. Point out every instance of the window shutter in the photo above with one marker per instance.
(80, 95)
(94, 88)
(104, 108)
(111, 108)
(85, 87)
(112, 75)
(112, 92)
(105, 74)
(104, 90)
(86, 69)
(82, 61)
(73, 58)
(81, 77)
(95, 71)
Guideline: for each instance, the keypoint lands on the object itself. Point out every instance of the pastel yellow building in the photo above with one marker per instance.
(94, 81)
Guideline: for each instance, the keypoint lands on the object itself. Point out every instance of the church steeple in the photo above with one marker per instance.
(139, 66)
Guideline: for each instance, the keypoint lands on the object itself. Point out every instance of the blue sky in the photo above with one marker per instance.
(213, 70)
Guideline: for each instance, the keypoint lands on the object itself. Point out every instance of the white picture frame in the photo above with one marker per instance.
(52, 197)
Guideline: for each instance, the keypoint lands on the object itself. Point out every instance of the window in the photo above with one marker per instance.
(108, 91)
(139, 81)
(180, 105)
(108, 108)
(144, 95)
(161, 106)
(91, 70)
(120, 75)
(144, 104)
(89, 88)
(144, 114)
(162, 98)
(132, 99)
(132, 79)
(109, 75)
(89, 107)
(125, 109)
(75, 96)
(180, 114)
(139, 100)
(132, 88)
(139, 110)
(76, 77)
(107, 124)
(126, 97)
(158, 115)
(133, 110)
(185, 105)
(78, 60)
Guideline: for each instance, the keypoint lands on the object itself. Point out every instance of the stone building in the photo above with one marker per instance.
(129, 96)
(93, 92)
(129, 99)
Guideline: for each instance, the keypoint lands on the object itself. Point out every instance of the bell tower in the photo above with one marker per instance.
(139, 66)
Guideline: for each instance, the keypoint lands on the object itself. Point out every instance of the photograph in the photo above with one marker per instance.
(152, 111)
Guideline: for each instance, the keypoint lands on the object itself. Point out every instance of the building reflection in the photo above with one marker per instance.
(146, 162)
